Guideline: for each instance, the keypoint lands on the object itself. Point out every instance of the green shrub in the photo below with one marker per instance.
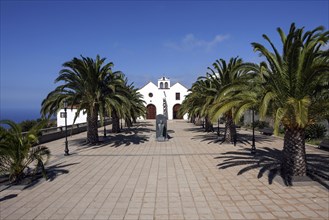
(315, 131)
(18, 151)
(2, 129)
(26, 125)
(51, 123)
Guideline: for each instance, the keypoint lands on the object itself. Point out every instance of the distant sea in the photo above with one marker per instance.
(19, 115)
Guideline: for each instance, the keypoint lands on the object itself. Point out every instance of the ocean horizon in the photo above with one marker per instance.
(19, 115)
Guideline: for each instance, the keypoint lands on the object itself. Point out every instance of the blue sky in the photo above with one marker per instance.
(144, 39)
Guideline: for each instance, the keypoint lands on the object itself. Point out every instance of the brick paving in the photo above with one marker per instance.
(131, 176)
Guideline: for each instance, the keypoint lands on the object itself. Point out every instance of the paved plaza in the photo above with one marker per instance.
(131, 176)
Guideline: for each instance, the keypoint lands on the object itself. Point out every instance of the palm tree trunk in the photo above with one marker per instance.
(198, 121)
(192, 119)
(115, 122)
(92, 127)
(294, 156)
(208, 125)
(230, 129)
(128, 122)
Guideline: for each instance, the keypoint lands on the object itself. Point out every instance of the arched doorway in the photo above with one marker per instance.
(151, 111)
(175, 112)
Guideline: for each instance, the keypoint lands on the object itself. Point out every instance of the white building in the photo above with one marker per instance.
(82, 118)
(154, 96)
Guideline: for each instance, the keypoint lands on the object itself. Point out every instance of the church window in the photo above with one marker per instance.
(166, 85)
(161, 85)
(177, 96)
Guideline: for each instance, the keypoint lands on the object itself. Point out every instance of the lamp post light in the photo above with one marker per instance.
(253, 147)
(66, 151)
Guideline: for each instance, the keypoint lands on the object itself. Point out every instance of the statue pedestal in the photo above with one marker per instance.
(160, 139)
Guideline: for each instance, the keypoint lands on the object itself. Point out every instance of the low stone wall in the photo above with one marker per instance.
(55, 133)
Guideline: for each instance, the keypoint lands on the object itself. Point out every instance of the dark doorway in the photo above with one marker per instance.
(151, 111)
(175, 112)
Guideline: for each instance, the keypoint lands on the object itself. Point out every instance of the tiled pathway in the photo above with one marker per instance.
(134, 177)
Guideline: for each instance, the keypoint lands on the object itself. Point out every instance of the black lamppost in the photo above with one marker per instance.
(234, 136)
(253, 147)
(66, 151)
(104, 126)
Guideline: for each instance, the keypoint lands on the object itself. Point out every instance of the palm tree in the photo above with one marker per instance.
(83, 86)
(137, 104)
(224, 76)
(197, 102)
(121, 100)
(114, 98)
(242, 95)
(295, 85)
(18, 151)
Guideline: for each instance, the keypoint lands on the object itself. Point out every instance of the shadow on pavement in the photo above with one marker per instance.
(32, 180)
(195, 129)
(52, 172)
(57, 169)
(269, 161)
(135, 135)
(144, 124)
(245, 139)
(10, 196)
(122, 140)
(138, 134)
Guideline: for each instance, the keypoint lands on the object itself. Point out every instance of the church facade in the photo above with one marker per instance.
(160, 99)
(163, 98)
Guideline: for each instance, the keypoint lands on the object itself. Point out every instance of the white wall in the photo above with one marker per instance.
(157, 100)
(171, 98)
(82, 118)
(159, 94)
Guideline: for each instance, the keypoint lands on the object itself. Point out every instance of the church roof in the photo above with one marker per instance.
(163, 79)
(177, 83)
(148, 84)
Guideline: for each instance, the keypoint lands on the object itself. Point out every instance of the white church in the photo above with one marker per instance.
(155, 96)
